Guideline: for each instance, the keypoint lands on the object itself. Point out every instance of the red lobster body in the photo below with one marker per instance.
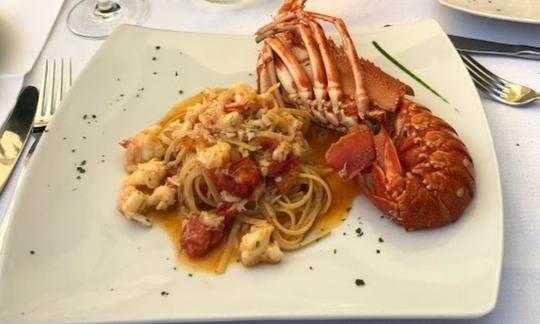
(423, 175)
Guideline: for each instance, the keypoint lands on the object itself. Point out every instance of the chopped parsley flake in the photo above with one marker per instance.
(190, 274)
(359, 232)
(335, 251)
(32, 252)
(360, 282)
(158, 47)
(164, 293)
(85, 116)
(381, 239)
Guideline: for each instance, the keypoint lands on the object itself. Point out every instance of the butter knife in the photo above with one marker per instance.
(15, 132)
(478, 46)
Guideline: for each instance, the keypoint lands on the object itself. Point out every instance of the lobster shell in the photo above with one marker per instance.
(423, 176)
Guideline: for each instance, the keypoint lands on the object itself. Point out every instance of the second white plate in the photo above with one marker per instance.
(525, 11)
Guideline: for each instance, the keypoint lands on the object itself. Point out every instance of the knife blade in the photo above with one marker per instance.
(486, 47)
(15, 132)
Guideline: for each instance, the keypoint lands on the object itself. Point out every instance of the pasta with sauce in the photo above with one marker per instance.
(235, 165)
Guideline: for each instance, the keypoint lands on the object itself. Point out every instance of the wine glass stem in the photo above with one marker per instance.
(106, 8)
(104, 5)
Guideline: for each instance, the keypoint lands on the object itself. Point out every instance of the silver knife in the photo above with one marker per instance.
(15, 132)
(486, 47)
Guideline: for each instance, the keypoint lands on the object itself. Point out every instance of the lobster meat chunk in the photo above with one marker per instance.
(422, 175)
(352, 153)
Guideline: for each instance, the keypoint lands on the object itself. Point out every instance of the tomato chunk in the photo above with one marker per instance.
(198, 238)
(275, 169)
(284, 173)
(195, 238)
(239, 179)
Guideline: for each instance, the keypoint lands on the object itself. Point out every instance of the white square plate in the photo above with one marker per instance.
(91, 265)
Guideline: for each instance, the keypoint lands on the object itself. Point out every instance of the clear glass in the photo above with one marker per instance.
(98, 18)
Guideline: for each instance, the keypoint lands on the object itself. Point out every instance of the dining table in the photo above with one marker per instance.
(514, 130)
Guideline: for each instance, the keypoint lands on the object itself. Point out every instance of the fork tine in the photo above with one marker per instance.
(50, 92)
(484, 73)
(485, 84)
(59, 86)
(41, 98)
(496, 91)
(69, 76)
(487, 90)
(485, 70)
(478, 73)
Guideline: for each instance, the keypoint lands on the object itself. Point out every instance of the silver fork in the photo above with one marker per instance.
(500, 89)
(55, 83)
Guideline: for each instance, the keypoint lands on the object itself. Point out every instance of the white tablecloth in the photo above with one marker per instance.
(514, 130)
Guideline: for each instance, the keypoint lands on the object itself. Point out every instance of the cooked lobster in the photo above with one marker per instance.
(330, 82)
(410, 163)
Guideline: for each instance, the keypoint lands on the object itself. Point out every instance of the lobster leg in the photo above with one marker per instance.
(334, 86)
(286, 80)
(325, 74)
(266, 72)
(297, 71)
(317, 67)
(360, 95)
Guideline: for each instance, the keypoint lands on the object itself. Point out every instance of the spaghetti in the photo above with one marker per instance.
(236, 166)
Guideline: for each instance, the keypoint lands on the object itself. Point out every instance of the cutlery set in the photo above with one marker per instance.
(31, 115)
(492, 85)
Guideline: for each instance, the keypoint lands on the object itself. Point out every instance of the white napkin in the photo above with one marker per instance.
(24, 28)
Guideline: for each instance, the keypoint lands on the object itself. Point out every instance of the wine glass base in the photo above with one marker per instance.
(86, 20)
